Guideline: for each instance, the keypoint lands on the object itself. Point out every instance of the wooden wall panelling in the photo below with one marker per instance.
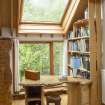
(93, 55)
(15, 13)
(0, 15)
(5, 72)
(74, 94)
(5, 13)
(99, 48)
(91, 6)
(11, 14)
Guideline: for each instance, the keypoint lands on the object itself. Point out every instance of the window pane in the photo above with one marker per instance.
(43, 10)
(35, 57)
(58, 57)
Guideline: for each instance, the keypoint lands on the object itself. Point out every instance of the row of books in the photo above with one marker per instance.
(79, 32)
(79, 45)
(82, 31)
(78, 62)
(70, 35)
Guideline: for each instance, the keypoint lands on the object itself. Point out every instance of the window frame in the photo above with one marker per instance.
(50, 23)
(51, 52)
(51, 56)
(16, 87)
(44, 28)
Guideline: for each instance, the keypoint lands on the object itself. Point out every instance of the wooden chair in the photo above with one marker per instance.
(52, 93)
(53, 99)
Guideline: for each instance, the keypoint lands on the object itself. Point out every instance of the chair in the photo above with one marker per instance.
(53, 93)
(53, 99)
(33, 95)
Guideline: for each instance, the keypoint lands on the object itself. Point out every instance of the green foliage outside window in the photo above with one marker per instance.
(43, 10)
(37, 57)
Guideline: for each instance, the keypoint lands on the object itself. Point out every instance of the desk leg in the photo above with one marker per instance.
(42, 97)
(74, 94)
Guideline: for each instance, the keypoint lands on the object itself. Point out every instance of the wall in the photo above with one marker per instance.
(103, 34)
(103, 51)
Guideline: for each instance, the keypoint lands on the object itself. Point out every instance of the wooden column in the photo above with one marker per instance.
(51, 59)
(5, 72)
(93, 49)
(99, 49)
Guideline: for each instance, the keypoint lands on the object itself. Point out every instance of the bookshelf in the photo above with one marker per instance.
(78, 49)
(95, 45)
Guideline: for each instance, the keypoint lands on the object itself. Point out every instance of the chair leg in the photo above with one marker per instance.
(57, 103)
(47, 103)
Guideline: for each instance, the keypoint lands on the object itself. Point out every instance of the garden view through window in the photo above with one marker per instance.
(36, 56)
(43, 10)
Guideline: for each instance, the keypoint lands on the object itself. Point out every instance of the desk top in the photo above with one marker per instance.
(54, 80)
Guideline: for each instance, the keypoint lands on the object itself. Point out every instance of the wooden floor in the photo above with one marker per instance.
(22, 102)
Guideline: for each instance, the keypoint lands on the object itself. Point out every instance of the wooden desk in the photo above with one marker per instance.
(78, 89)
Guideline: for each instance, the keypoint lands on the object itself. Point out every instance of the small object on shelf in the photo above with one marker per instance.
(86, 14)
(74, 73)
(31, 74)
(85, 74)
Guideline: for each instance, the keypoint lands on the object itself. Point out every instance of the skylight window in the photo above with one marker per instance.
(43, 11)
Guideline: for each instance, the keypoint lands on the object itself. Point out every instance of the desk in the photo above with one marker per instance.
(77, 88)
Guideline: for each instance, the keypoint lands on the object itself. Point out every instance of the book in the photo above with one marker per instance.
(82, 31)
(70, 34)
(75, 62)
(86, 62)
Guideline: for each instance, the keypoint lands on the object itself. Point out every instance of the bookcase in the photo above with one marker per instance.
(94, 52)
(78, 49)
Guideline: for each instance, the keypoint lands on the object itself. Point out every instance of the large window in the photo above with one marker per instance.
(45, 16)
(58, 57)
(43, 10)
(35, 57)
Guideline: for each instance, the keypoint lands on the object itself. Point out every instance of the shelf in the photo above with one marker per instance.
(82, 69)
(78, 38)
(79, 52)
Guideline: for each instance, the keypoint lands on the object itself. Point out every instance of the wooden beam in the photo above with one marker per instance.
(51, 59)
(33, 29)
(5, 13)
(93, 55)
(99, 49)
